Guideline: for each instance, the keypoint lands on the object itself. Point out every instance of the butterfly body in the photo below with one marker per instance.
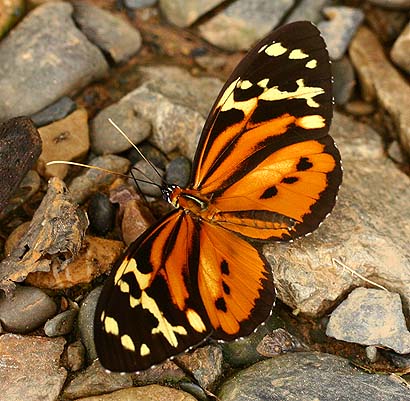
(265, 169)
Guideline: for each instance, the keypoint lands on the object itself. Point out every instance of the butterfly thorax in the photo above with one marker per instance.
(190, 200)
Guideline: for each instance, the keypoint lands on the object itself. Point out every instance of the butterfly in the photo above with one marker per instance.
(265, 169)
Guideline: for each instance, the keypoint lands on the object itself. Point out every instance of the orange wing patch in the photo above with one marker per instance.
(234, 281)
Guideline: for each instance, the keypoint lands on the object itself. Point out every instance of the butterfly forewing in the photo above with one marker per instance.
(265, 154)
(265, 168)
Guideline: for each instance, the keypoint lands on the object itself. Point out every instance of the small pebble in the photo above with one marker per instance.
(144, 172)
(101, 213)
(56, 111)
(372, 354)
(27, 309)
(86, 321)
(178, 171)
(75, 356)
(134, 4)
(151, 153)
(60, 324)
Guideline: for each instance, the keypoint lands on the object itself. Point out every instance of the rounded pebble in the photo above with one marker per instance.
(26, 310)
(178, 171)
(101, 213)
(61, 324)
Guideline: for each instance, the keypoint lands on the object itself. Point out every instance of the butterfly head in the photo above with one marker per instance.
(170, 193)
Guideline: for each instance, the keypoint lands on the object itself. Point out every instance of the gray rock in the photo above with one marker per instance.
(380, 80)
(344, 80)
(205, 364)
(307, 10)
(106, 139)
(109, 32)
(60, 324)
(371, 317)
(43, 59)
(56, 111)
(134, 4)
(86, 321)
(30, 368)
(243, 22)
(75, 356)
(310, 376)
(183, 13)
(26, 310)
(144, 172)
(395, 4)
(364, 231)
(96, 380)
(83, 186)
(144, 393)
(173, 125)
(339, 30)
(400, 51)
(178, 171)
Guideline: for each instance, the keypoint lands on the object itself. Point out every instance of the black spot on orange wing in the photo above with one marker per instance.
(269, 192)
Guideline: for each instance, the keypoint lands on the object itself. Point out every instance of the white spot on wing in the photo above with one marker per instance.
(297, 54)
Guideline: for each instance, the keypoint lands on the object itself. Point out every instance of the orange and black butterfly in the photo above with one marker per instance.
(265, 169)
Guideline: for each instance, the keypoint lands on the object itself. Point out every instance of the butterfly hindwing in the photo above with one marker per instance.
(149, 309)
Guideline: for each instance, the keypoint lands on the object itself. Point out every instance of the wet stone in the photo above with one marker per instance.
(56, 111)
(109, 32)
(46, 36)
(60, 324)
(243, 22)
(151, 153)
(306, 376)
(30, 368)
(339, 30)
(101, 213)
(26, 310)
(20, 147)
(371, 317)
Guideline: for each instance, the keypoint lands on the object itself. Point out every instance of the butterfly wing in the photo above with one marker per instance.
(265, 157)
(149, 309)
(234, 281)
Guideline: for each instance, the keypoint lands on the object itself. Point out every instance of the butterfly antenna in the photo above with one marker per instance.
(147, 181)
(136, 148)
